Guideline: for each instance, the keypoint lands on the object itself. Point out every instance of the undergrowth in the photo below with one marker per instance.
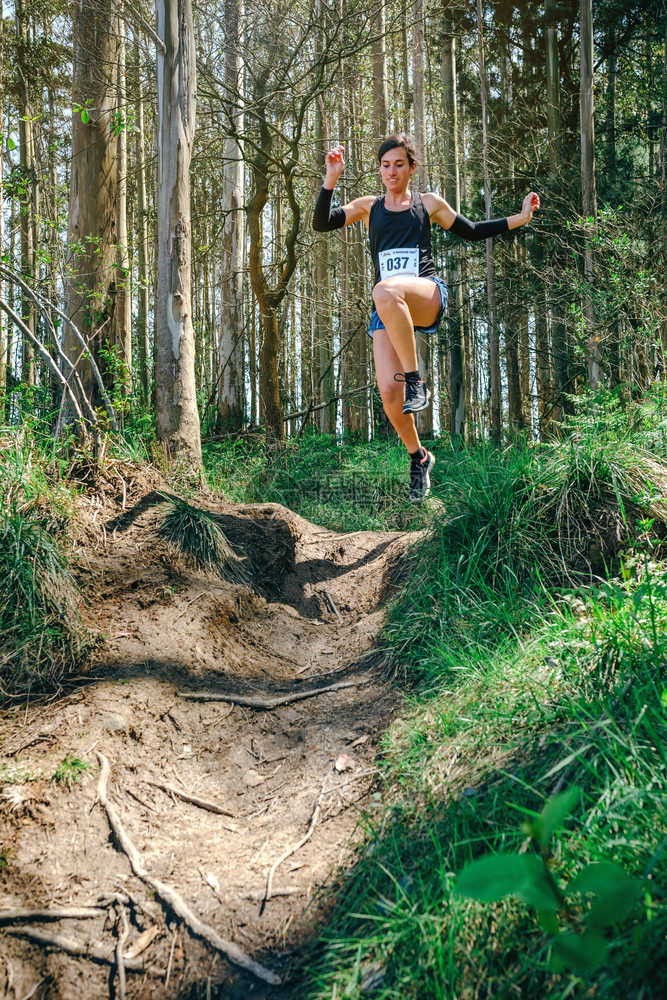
(530, 635)
(344, 487)
(41, 633)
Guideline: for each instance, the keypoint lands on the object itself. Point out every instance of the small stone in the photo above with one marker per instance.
(252, 778)
(116, 722)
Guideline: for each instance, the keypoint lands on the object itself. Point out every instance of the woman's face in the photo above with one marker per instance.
(395, 169)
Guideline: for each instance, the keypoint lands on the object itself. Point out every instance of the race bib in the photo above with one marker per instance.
(403, 262)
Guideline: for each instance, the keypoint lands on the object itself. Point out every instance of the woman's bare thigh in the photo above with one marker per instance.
(421, 296)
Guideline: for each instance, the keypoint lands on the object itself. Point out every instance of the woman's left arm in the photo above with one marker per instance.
(441, 211)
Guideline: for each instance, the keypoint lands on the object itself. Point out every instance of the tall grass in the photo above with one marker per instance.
(531, 632)
(41, 634)
(345, 487)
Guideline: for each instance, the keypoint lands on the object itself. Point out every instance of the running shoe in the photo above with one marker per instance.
(417, 396)
(420, 482)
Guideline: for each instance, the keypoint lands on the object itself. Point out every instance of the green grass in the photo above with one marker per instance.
(69, 771)
(344, 487)
(42, 637)
(194, 533)
(531, 639)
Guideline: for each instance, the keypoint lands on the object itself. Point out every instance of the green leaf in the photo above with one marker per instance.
(85, 117)
(11, 145)
(548, 921)
(553, 815)
(580, 952)
(616, 892)
(499, 875)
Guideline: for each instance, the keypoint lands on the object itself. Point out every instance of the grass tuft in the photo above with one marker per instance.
(194, 533)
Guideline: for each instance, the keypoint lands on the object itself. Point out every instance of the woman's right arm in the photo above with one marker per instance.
(326, 218)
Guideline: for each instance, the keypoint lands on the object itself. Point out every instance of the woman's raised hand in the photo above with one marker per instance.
(530, 204)
(335, 162)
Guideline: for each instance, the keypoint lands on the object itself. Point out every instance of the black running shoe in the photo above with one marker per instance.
(417, 396)
(420, 482)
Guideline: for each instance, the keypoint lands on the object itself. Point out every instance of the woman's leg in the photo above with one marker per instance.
(387, 364)
(402, 304)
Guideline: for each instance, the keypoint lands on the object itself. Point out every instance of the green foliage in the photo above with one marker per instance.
(343, 486)
(42, 636)
(579, 944)
(195, 533)
(69, 771)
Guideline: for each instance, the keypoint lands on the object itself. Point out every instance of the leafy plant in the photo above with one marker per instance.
(576, 926)
(69, 771)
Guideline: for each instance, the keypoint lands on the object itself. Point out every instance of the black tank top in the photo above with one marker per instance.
(408, 228)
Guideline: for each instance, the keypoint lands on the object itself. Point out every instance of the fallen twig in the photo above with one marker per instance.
(73, 947)
(168, 894)
(267, 703)
(66, 913)
(193, 799)
(259, 895)
(331, 604)
(292, 850)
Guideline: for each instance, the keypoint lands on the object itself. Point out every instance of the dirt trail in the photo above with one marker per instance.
(309, 619)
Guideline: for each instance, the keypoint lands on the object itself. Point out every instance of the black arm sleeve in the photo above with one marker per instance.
(326, 218)
(468, 230)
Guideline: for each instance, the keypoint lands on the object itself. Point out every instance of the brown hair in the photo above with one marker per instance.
(399, 140)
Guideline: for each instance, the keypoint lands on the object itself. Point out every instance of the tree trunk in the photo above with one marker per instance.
(142, 248)
(588, 194)
(494, 342)
(177, 414)
(27, 198)
(92, 230)
(379, 59)
(554, 122)
(231, 351)
(457, 387)
(123, 311)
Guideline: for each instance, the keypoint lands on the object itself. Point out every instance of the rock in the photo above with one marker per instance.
(116, 722)
(251, 778)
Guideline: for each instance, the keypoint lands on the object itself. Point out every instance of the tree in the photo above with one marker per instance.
(177, 415)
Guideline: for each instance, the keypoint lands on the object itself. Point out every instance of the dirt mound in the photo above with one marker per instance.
(308, 621)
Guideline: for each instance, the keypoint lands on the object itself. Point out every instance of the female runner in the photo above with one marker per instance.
(407, 292)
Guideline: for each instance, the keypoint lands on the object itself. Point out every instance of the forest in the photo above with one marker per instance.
(267, 725)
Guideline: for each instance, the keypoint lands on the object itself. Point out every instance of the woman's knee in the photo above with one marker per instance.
(393, 397)
(385, 294)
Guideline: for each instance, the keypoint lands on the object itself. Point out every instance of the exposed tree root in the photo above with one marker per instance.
(168, 894)
(268, 703)
(292, 850)
(72, 947)
(65, 913)
(193, 799)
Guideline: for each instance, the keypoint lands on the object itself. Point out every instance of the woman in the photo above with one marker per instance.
(407, 292)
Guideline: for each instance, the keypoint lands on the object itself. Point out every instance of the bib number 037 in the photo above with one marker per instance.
(402, 262)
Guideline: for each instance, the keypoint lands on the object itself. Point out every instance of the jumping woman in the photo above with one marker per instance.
(408, 294)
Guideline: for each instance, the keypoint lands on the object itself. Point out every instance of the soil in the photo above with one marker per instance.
(309, 618)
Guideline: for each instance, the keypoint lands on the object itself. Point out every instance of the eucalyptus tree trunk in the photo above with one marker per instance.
(424, 419)
(588, 194)
(554, 122)
(457, 387)
(561, 383)
(27, 198)
(379, 60)
(610, 123)
(231, 346)
(142, 246)
(323, 333)
(123, 311)
(3, 321)
(542, 367)
(92, 233)
(177, 415)
(494, 341)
